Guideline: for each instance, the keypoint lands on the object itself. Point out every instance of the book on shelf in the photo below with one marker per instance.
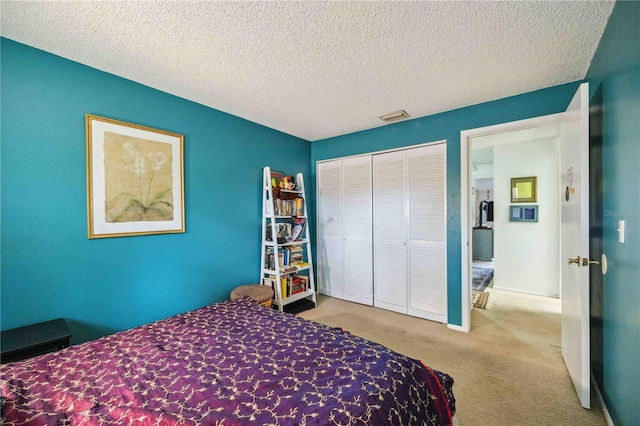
(284, 207)
(298, 224)
(299, 284)
(299, 206)
(284, 232)
(285, 286)
(296, 254)
(289, 284)
(268, 233)
(288, 269)
(301, 265)
(288, 207)
(286, 259)
(287, 232)
(269, 258)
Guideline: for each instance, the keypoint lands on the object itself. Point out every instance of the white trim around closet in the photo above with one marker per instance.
(403, 148)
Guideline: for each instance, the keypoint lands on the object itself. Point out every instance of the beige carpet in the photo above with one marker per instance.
(508, 370)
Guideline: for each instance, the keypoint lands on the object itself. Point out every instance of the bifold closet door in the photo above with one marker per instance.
(427, 232)
(329, 196)
(357, 228)
(382, 230)
(390, 231)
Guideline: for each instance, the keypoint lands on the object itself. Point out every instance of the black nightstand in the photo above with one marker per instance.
(37, 339)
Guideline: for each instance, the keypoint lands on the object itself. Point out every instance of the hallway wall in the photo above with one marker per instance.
(526, 253)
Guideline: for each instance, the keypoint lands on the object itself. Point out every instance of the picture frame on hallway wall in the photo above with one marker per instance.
(135, 179)
(524, 189)
(527, 213)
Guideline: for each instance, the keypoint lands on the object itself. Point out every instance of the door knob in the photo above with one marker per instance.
(576, 261)
(586, 262)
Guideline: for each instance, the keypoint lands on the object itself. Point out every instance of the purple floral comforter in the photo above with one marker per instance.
(231, 363)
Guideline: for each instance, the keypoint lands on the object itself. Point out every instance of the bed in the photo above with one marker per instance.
(231, 363)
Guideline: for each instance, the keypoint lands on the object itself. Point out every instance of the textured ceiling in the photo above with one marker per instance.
(322, 69)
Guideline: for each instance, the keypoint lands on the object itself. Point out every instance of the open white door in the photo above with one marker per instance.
(574, 229)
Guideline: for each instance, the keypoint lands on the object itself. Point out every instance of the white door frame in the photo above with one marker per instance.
(466, 216)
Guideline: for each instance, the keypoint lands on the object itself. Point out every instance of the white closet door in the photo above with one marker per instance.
(357, 229)
(390, 231)
(329, 195)
(426, 174)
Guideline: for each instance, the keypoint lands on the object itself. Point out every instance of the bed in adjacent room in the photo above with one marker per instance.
(234, 362)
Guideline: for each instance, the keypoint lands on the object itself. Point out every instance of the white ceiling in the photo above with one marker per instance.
(482, 156)
(482, 146)
(322, 69)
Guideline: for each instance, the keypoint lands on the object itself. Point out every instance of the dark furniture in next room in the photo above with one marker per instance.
(482, 244)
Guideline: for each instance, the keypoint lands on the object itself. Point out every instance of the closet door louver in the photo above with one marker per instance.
(390, 229)
(426, 174)
(329, 195)
(382, 230)
(357, 229)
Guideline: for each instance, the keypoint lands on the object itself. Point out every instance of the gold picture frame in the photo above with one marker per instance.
(135, 179)
(524, 189)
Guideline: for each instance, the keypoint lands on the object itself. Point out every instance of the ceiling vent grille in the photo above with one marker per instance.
(394, 116)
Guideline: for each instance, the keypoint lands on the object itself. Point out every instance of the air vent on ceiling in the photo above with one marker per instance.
(394, 116)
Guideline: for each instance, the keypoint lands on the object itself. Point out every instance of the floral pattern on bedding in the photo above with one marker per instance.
(231, 363)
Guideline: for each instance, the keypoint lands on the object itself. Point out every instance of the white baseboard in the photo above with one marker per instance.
(607, 417)
(457, 328)
(515, 290)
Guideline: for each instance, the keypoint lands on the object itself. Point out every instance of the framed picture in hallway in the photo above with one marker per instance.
(524, 190)
(135, 179)
(523, 213)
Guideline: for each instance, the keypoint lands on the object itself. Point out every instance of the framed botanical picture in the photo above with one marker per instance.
(135, 179)
(523, 190)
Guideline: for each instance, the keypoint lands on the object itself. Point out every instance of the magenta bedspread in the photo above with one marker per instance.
(230, 363)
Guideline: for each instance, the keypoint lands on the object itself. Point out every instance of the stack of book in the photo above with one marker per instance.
(269, 259)
(301, 265)
(289, 284)
(298, 284)
(296, 254)
(289, 259)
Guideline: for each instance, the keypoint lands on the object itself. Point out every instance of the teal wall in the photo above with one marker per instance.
(49, 267)
(447, 126)
(616, 67)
